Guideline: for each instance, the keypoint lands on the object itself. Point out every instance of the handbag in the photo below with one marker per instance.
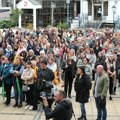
(25, 88)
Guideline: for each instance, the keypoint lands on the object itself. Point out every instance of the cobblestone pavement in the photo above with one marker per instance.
(10, 113)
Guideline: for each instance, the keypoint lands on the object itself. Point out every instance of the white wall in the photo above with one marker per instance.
(110, 12)
(0, 3)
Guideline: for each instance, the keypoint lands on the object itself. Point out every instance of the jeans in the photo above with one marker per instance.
(101, 108)
(82, 106)
(18, 96)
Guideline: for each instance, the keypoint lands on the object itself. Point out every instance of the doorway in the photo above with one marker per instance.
(27, 18)
(97, 12)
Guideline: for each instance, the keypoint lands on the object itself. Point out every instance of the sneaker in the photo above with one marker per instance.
(26, 107)
(31, 107)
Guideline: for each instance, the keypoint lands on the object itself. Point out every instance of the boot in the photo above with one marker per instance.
(84, 117)
(80, 118)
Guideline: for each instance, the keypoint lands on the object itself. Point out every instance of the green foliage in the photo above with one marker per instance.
(62, 26)
(7, 24)
(15, 15)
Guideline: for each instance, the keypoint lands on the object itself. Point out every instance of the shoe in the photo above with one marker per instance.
(7, 104)
(80, 118)
(110, 98)
(83, 117)
(31, 107)
(26, 107)
(15, 105)
(20, 105)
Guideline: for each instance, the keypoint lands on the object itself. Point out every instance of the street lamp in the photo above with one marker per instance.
(53, 5)
(114, 10)
(68, 2)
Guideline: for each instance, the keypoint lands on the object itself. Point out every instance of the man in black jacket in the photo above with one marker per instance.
(63, 109)
(45, 75)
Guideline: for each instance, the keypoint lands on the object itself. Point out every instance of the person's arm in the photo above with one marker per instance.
(106, 86)
(48, 112)
(7, 74)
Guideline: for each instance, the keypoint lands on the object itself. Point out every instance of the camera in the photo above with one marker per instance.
(47, 90)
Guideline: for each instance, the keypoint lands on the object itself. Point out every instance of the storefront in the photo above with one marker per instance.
(29, 16)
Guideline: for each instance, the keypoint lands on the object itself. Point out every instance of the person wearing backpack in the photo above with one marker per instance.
(82, 88)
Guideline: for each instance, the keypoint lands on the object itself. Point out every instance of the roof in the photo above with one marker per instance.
(35, 2)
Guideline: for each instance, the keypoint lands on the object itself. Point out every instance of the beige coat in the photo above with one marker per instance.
(28, 76)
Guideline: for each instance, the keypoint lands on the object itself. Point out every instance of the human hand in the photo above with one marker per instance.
(45, 102)
(1, 78)
(102, 97)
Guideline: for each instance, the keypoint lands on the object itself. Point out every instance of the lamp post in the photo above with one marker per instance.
(53, 5)
(68, 2)
(114, 10)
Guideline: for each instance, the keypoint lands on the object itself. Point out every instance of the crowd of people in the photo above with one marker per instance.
(31, 58)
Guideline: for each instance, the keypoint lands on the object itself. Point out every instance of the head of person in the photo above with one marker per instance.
(111, 57)
(28, 64)
(72, 52)
(50, 54)
(50, 60)
(81, 70)
(100, 69)
(86, 61)
(6, 60)
(44, 64)
(42, 53)
(31, 53)
(59, 96)
(18, 60)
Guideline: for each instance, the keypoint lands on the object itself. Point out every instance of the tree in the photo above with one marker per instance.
(15, 15)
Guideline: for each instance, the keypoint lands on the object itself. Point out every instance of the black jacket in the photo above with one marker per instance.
(82, 88)
(62, 111)
(73, 69)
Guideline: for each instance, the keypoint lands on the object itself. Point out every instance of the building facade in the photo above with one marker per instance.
(55, 11)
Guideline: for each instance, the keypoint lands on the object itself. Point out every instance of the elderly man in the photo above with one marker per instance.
(100, 92)
(63, 109)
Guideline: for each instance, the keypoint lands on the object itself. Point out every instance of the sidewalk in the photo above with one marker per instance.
(10, 113)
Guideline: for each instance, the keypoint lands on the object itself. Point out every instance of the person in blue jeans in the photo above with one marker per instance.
(82, 88)
(16, 71)
(100, 92)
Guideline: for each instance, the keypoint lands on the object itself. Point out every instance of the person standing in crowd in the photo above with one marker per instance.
(63, 109)
(100, 92)
(118, 68)
(97, 48)
(17, 71)
(46, 74)
(82, 88)
(31, 55)
(5, 77)
(53, 66)
(88, 69)
(111, 70)
(81, 59)
(69, 68)
(28, 77)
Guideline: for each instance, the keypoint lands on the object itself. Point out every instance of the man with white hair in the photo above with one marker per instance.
(100, 92)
